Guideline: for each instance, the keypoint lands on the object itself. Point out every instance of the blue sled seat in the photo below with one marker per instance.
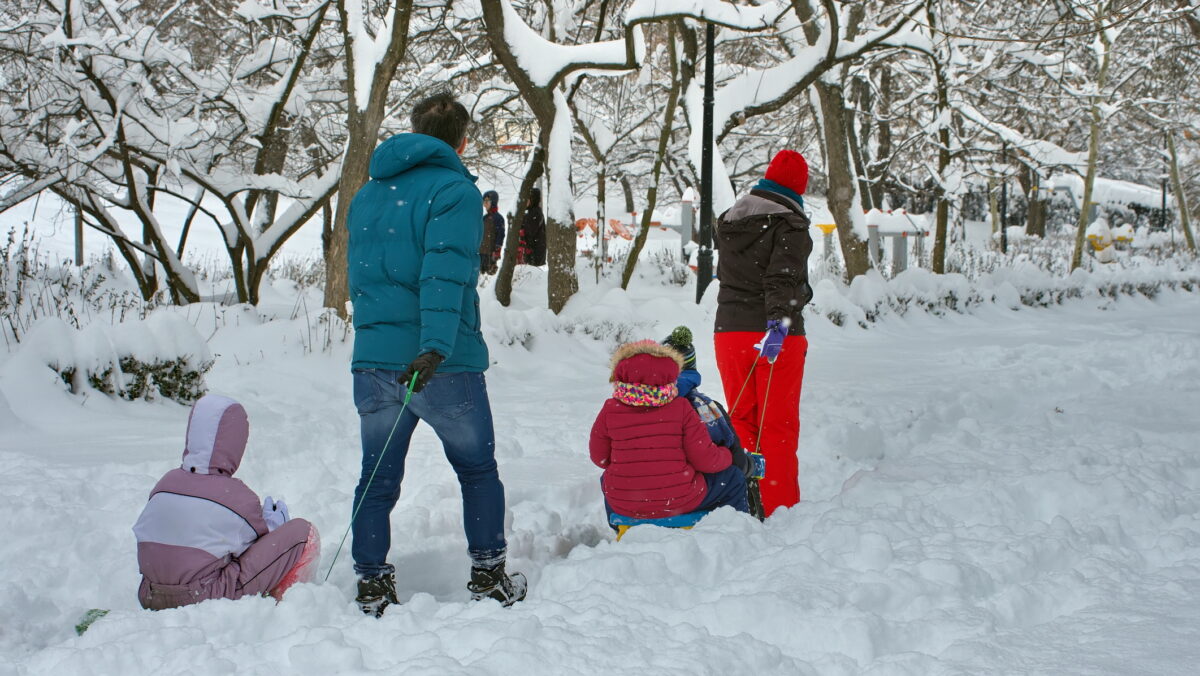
(684, 521)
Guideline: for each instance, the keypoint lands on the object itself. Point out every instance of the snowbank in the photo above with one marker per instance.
(974, 502)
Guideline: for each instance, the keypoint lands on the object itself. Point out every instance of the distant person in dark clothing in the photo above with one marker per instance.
(533, 230)
(764, 243)
(493, 233)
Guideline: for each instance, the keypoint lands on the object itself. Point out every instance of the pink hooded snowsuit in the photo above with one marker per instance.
(202, 535)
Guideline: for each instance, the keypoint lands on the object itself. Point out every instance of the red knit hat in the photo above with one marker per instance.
(645, 362)
(790, 170)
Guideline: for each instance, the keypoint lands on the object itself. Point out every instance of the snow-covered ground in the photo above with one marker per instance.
(994, 493)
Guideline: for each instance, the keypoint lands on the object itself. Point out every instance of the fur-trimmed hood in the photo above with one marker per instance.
(645, 362)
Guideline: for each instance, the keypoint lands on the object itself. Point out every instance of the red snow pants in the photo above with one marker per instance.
(766, 417)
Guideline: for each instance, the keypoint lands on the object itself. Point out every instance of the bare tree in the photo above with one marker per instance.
(374, 47)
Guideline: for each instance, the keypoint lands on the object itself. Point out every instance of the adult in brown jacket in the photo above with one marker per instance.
(764, 246)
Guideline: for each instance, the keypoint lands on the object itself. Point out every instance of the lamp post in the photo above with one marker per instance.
(704, 272)
(1004, 200)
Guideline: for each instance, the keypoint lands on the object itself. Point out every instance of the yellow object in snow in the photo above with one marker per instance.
(1099, 243)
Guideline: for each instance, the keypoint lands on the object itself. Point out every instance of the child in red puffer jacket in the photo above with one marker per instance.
(657, 457)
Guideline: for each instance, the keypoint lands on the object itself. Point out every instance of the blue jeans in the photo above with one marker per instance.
(456, 406)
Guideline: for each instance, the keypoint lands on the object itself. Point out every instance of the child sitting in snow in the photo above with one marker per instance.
(204, 535)
(657, 457)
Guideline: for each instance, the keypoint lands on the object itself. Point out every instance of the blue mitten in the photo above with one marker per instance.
(772, 341)
(274, 513)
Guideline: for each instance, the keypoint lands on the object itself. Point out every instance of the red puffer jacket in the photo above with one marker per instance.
(652, 446)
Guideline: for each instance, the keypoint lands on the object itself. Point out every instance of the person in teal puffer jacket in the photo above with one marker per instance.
(414, 235)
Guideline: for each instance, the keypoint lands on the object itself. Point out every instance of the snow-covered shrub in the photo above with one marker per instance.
(160, 357)
(325, 329)
(308, 272)
(32, 288)
(132, 379)
(667, 260)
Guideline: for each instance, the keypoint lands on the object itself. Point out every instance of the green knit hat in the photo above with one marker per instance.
(681, 341)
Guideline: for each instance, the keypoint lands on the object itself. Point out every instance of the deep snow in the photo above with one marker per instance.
(1000, 492)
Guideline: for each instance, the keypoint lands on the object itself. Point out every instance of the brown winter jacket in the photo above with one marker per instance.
(763, 265)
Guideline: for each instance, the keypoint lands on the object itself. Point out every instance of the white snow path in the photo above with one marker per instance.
(1007, 492)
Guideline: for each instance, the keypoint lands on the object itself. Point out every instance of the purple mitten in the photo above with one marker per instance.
(772, 340)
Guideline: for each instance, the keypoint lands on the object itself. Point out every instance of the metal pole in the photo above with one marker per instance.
(1004, 201)
(899, 253)
(704, 257)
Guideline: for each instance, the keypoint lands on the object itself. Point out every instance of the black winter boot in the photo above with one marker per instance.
(494, 583)
(754, 497)
(375, 593)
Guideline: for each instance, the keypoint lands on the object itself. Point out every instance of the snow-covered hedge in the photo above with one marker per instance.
(162, 356)
(870, 297)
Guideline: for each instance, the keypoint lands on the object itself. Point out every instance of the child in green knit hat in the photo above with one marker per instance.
(720, 428)
(681, 340)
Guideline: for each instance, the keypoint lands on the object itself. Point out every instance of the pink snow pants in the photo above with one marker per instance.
(286, 554)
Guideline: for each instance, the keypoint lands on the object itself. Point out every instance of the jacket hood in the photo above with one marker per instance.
(216, 436)
(742, 225)
(535, 198)
(646, 362)
(494, 197)
(402, 152)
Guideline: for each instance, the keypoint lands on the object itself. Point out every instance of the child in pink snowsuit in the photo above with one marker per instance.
(204, 534)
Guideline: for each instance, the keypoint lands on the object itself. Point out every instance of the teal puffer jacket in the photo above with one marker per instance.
(415, 229)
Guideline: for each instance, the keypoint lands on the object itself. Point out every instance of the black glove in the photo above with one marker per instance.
(424, 366)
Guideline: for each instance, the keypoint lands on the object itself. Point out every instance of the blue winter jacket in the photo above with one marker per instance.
(413, 258)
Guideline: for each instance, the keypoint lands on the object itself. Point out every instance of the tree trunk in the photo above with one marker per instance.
(1093, 154)
(560, 258)
(627, 190)
(664, 139)
(877, 170)
(1035, 223)
(355, 165)
(993, 206)
(941, 229)
(859, 148)
(1180, 198)
(363, 131)
(842, 195)
(512, 241)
